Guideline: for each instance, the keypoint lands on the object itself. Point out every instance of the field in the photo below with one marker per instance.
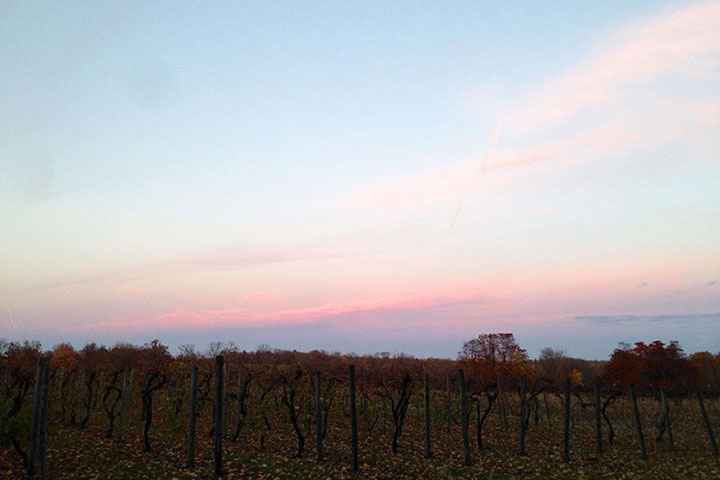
(268, 442)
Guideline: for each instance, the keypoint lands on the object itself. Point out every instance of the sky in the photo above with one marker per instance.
(361, 176)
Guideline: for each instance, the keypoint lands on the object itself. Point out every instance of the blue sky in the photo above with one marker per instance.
(358, 171)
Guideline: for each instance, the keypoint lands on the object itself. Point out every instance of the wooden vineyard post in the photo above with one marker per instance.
(426, 382)
(318, 417)
(638, 422)
(447, 402)
(240, 387)
(666, 415)
(218, 413)
(193, 417)
(308, 404)
(363, 403)
(123, 403)
(37, 456)
(7, 376)
(566, 424)
(598, 421)
(35, 426)
(547, 409)
(464, 418)
(384, 412)
(708, 426)
(523, 413)
(353, 421)
(42, 470)
(502, 410)
(226, 398)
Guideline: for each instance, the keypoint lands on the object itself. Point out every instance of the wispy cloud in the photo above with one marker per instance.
(230, 258)
(611, 85)
(681, 43)
(12, 321)
(704, 318)
(129, 290)
(483, 169)
(260, 296)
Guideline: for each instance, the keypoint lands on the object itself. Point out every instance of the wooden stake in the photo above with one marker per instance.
(566, 424)
(124, 398)
(708, 426)
(42, 468)
(547, 410)
(218, 413)
(193, 416)
(598, 421)
(353, 421)
(668, 423)
(523, 413)
(35, 426)
(426, 382)
(638, 423)
(318, 417)
(448, 416)
(226, 398)
(464, 418)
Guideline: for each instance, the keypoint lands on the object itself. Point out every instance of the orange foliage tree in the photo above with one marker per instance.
(655, 366)
(495, 356)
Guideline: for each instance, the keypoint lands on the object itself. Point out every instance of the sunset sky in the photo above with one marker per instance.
(361, 176)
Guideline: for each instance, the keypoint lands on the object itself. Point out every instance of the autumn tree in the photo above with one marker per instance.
(493, 355)
(654, 366)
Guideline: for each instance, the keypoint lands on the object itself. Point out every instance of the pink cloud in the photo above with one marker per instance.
(331, 311)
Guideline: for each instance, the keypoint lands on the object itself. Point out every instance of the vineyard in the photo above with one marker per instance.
(130, 412)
